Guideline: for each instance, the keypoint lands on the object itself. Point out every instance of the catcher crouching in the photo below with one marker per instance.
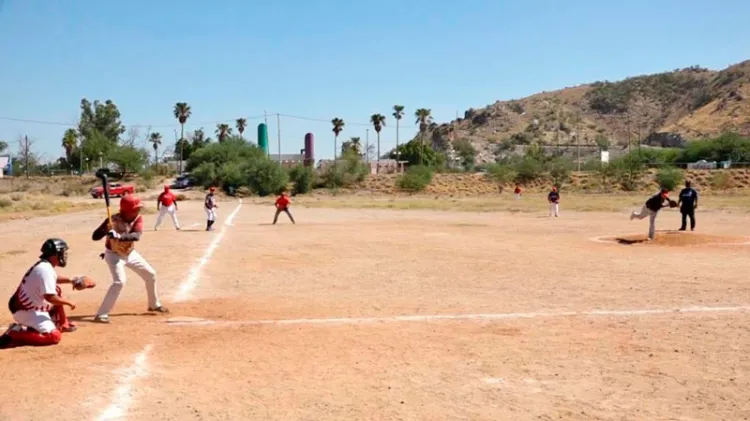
(651, 209)
(38, 306)
(120, 253)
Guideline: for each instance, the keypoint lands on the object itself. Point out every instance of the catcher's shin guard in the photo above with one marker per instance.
(30, 337)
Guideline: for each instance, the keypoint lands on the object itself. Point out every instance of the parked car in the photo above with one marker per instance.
(115, 190)
(182, 182)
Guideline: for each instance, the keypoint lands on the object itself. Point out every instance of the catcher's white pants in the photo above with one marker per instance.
(645, 211)
(37, 320)
(117, 265)
(554, 208)
(211, 214)
(163, 211)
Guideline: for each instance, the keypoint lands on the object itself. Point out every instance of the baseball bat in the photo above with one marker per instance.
(102, 174)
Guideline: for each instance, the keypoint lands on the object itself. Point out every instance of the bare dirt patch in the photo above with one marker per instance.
(676, 239)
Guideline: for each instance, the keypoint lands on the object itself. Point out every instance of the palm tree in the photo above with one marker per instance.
(69, 142)
(356, 145)
(241, 124)
(155, 140)
(222, 131)
(424, 119)
(398, 113)
(338, 126)
(378, 121)
(182, 112)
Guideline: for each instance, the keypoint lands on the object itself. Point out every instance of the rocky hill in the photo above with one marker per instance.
(664, 109)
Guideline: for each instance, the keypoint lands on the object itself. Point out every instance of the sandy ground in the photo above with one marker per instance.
(397, 315)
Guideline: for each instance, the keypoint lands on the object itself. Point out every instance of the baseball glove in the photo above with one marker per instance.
(672, 203)
(83, 282)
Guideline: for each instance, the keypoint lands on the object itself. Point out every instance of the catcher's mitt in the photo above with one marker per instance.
(83, 282)
(672, 203)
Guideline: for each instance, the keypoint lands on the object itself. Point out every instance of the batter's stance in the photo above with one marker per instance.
(166, 203)
(210, 206)
(120, 253)
(37, 305)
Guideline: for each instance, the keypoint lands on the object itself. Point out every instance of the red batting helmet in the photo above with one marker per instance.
(130, 204)
(166, 187)
(212, 189)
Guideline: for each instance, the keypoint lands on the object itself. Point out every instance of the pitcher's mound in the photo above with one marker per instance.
(677, 239)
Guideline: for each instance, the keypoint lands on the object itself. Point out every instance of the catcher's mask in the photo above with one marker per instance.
(57, 248)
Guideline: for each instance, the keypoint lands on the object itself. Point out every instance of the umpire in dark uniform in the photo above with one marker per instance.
(688, 204)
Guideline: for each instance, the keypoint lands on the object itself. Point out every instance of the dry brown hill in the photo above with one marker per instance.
(662, 109)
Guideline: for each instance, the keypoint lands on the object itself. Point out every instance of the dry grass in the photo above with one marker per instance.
(529, 203)
(18, 206)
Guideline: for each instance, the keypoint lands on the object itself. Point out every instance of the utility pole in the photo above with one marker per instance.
(278, 130)
(80, 154)
(26, 154)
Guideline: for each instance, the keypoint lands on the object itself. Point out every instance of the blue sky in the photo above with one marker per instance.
(335, 58)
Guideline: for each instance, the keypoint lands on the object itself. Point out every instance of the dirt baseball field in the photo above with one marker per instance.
(396, 315)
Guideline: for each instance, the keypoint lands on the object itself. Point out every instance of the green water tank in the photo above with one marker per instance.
(263, 137)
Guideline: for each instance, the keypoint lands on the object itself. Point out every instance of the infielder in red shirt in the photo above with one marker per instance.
(120, 253)
(166, 203)
(282, 205)
(37, 306)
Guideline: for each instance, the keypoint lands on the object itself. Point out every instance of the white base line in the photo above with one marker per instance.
(123, 395)
(186, 287)
(439, 317)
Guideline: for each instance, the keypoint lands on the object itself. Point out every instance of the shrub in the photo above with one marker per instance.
(5, 202)
(232, 175)
(416, 178)
(204, 174)
(669, 177)
(303, 178)
(528, 169)
(501, 174)
(347, 173)
(266, 178)
(559, 171)
(720, 180)
(16, 197)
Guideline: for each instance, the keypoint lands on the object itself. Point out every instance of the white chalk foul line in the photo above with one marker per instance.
(441, 317)
(186, 287)
(123, 395)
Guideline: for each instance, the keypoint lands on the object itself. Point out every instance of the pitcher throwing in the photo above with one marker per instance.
(120, 253)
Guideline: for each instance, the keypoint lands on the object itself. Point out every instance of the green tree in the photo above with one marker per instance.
(182, 113)
(416, 178)
(303, 178)
(222, 131)
(102, 118)
(338, 126)
(241, 125)
(3, 146)
(128, 158)
(424, 119)
(602, 142)
(501, 174)
(398, 114)
(184, 148)
(378, 121)
(559, 171)
(69, 143)
(413, 153)
(669, 177)
(199, 139)
(155, 140)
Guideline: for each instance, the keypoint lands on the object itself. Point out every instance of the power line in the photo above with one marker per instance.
(172, 125)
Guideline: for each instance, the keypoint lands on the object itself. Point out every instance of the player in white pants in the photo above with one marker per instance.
(166, 203)
(210, 206)
(554, 202)
(651, 209)
(120, 253)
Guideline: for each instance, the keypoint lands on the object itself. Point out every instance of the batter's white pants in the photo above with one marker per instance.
(651, 221)
(211, 214)
(37, 320)
(554, 208)
(163, 211)
(117, 265)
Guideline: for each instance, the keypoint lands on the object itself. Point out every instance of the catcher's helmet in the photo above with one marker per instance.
(56, 247)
